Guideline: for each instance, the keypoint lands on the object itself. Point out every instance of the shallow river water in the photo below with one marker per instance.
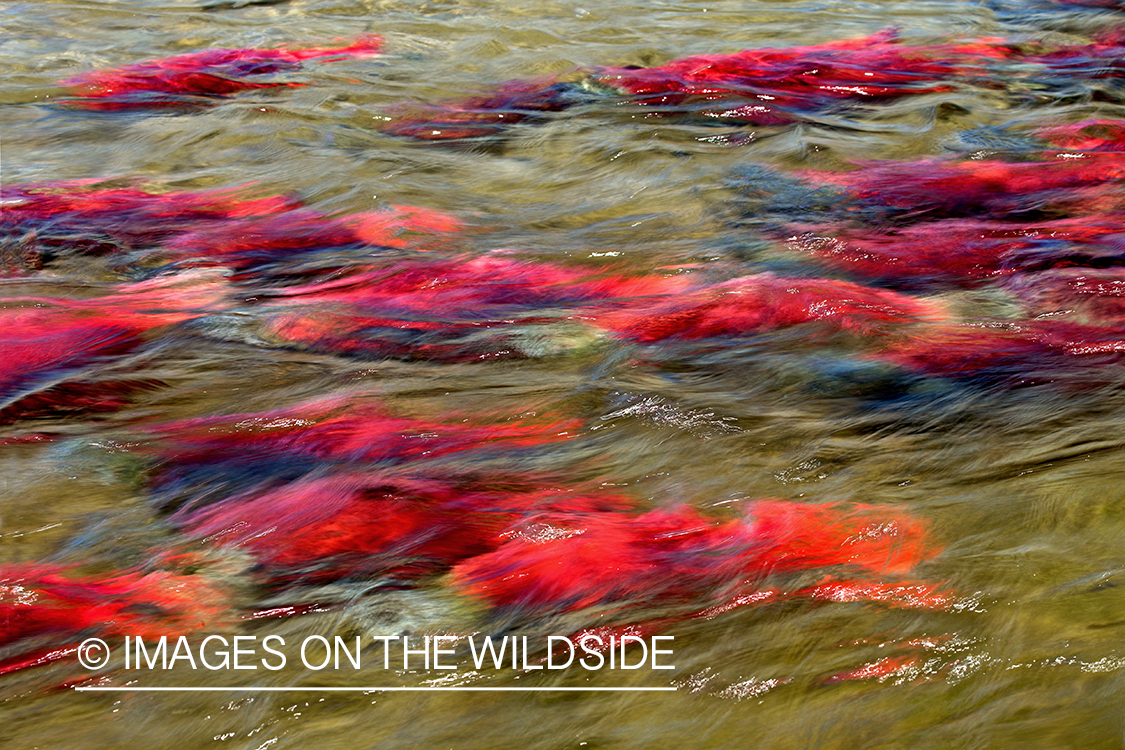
(993, 616)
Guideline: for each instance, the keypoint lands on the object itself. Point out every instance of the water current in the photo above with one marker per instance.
(503, 327)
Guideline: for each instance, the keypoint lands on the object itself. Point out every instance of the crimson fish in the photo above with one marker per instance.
(341, 428)
(77, 216)
(489, 114)
(199, 77)
(447, 309)
(47, 342)
(1087, 135)
(207, 227)
(617, 561)
(939, 188)
(764, 302)
(868, 68)
(43, 604)
(240, 243)
(248, 450)
(323, 528)
(471, 285)
(964, 250)
(1093, 295)
(768, 86)
(774, 86)
(1027, 350)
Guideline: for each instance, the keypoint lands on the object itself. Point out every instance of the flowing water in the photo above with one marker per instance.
(1015, 478)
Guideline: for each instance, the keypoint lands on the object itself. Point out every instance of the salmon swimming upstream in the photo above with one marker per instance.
(757, 87)
(353, 524)
(975, 189)
(1087, 295)
(46, 609)
(245, 450)
(448, 309)
(48, 344)
(962, 251)
(1087, 135)
(199, 78)
(539, 552)
(767, 86)
(552, 563)
(1019, 350)
(220, 227)
(376, 503)
(468, 310)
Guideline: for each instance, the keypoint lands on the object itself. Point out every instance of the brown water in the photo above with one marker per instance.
(1020, 487)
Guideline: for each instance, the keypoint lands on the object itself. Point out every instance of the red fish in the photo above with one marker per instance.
(201, 459)
(45, 339)
(755, 304)
(943, 188)
(212, 227)
(1093, 295)
(1027, 350)
(341, 429)
(212, 74)
(667, 557)
(1088, 135)
(392, 318)
(469, 286)
(448, 309)
(871, 68)
(78, 217)
(346, 525)
(515, 101)
(759, 87)
(243, 242)
(39, 602)
(767, 86)
(965, 250)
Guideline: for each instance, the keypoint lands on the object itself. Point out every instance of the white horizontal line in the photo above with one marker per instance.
(101, 689)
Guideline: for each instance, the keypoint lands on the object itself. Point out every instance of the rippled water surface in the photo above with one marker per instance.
(1008, 476)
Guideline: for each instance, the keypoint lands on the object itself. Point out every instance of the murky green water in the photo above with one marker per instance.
(1021, 487)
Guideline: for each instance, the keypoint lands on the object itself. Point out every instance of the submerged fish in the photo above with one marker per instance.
(449, 309)
(339, 429)
(207, 227)
(1024, 351)
(759, 86)
(1088, 135)
(488, 114)
(940, 188)
(352, 524)
(198, 77)
(617, 561)
(46, 343)
(468, 310)
(43, 606)
(769, 86)
(764, 302)
(246, 452)
(964, 251)
(80, 217)
(1092, 295)
(242, 243)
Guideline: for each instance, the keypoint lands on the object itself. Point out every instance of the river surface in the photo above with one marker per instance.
(1015, 479)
